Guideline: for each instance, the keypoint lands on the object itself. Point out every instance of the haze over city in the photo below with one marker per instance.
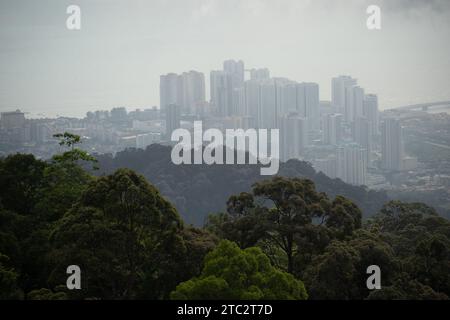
(224, 151)
(123, 47)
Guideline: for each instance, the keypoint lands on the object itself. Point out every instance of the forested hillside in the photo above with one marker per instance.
(198, 190)
(281, 239)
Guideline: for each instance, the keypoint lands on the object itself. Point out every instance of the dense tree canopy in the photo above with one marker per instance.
(324, 243)
(232, 273)
(285, 212)
(283, 239)
(186, 185)
(124, 236)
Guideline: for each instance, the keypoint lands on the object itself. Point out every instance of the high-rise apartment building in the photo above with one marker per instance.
(186, 90)
(221, 87)
(259, 74)
(351, 164)
(169, 88)
(308, 103)
(252, 98)
(267, 108)
(192, 91)
(362, 135)
(173, 119)
(338, 91)
(370, 111)
(293, 136)
(332, 129)
(354, 101)
(237, 72)
(11, 120)
(391, 145)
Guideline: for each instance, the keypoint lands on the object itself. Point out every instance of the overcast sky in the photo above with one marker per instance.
(124, 45)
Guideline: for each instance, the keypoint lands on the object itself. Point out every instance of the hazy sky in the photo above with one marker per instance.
(124, 45)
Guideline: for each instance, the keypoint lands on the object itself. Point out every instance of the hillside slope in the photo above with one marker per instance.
(197, 190)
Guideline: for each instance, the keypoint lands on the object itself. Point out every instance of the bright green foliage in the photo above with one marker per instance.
(232, 273)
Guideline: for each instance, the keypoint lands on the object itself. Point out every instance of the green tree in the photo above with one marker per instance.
(62, 185)
(406, 288)
(74, 155)
(34, 195)
(245, 229)
(420, 240)
(232, 273)
(284, 212)
(20, 178)
(9, 289)
(68, 139)
(46, 294)
(341, 271)
(333, 275)
(122, 234)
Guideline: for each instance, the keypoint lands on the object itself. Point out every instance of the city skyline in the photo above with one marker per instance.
(339, 137)
(227, 150)
(117, 57)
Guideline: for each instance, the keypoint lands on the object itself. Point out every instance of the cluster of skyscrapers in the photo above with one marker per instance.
(342, 137)
(345, 137)
(353, 127)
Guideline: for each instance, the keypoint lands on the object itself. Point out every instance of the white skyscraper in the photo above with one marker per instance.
(293, 136)
(370, 111)
(169, 89)
(308, 103)
(351, 164)
(239, 102)
(286, 97)
(193, 91)
(338, 89)
(252, 97)
(354, 101)
(362, 135)
(173, 119)
(237, 73)
(259, 74)
(267, 109)
(391, 145)
(13, 119)
(186, 90)
(221, 93)
(236, 70)
(332, 129)
(271, 99)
